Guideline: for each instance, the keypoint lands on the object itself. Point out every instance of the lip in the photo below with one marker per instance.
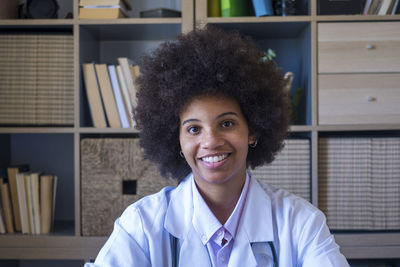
(212, 165)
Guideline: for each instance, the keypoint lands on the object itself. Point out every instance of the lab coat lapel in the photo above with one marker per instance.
(178, 222)
(193, 253)
(255, 226)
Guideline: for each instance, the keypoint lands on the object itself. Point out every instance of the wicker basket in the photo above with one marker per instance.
(290, 170)
(106, 165)
(359, 183)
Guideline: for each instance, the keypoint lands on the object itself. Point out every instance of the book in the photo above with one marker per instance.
(235, 8)
(107, 96)
(34, 183)
(48, 187)
(2, 223)
(7, 209)
(23, 209)
(125, 3)
(384, 8)
(12, 179)
(213, 8)
(375, 6)
(263, 8)
(126, 98)
(395, 9)
(118, 96)
(101, 13)
(29, 202)
(129, 80)
(93, 94)
(367, 6)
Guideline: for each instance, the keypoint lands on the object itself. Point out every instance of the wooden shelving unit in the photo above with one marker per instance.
(301, 33)
(295, 37)
(92, 40)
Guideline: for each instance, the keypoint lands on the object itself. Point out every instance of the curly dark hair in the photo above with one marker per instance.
(209, 61)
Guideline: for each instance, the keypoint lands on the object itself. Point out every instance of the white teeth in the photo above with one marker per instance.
(215, 158)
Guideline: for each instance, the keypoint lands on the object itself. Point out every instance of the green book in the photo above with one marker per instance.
(235, 8)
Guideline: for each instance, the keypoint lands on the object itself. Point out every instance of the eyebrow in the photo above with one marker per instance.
(219, 116)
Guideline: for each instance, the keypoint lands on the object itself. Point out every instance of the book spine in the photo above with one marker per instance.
(8, 216)
(46, 203)
(23, 211)
(263, 8)
(118, 97)
(12, 179)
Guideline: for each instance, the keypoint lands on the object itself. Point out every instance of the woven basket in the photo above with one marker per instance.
(359, 183)
(290, 170)
(105, 164)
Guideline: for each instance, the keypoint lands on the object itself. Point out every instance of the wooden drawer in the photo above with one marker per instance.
(359, 47)
(359, 98)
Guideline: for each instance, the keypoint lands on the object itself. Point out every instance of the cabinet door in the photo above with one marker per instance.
(359, 98)
(358, 47)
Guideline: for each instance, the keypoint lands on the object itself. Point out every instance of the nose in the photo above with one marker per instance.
(211, 139)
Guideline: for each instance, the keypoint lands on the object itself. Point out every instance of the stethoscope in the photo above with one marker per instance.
(269, 258)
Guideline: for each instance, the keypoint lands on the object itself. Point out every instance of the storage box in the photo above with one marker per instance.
(290, 170)
(113, 176)
(359, 183)
(340, 7)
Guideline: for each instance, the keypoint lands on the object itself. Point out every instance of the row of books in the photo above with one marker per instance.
(381, 7)
(36, 78)
(104, 9)
(259, 8)
(27, 201)
(111, 93)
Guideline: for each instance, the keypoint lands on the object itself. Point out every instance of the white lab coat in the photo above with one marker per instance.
(141, 236)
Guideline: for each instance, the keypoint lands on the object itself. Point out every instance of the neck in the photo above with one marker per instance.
(221, 199)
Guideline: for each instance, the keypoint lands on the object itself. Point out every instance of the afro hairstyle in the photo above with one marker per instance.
(209, 61)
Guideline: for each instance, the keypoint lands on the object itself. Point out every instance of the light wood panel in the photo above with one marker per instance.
(359, 98)
(358, 47)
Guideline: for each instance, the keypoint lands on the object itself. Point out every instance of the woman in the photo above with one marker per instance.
(210, 107)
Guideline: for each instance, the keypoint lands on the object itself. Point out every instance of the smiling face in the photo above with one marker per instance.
(214, 139)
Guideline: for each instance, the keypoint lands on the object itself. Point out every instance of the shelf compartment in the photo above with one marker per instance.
(114, 175)
(358, 47)
(291, 42)
(105, 43)
(359, 182)
(291, 169)
(50, 154)
(359, 98)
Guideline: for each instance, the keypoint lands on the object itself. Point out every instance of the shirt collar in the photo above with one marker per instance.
(205, 222)
(256, 220)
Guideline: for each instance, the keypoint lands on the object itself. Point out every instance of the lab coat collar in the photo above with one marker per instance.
(255, 226)
(178, 218)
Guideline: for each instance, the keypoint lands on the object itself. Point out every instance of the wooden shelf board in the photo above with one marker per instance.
(91, 130)
(36, 22)
(301, 128)
(47, 130)
(258, 19)
(49, 247)
(350, 18)
(130, 21)
(360, 127)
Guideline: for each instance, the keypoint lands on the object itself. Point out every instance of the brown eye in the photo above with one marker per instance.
(227, 124)
(194, 130)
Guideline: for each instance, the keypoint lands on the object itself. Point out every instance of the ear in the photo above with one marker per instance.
(252, 138)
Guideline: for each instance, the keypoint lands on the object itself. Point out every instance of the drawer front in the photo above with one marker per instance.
(359, 98)
(359, 47)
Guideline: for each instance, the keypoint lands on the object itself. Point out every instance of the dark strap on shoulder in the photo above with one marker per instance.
(174, 250)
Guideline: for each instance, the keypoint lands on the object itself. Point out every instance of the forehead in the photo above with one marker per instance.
(210, 103)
